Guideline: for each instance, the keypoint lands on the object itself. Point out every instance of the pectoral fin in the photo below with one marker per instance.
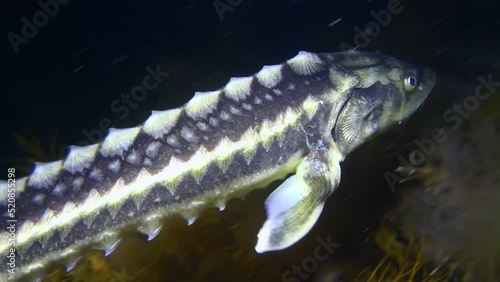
(293, 208)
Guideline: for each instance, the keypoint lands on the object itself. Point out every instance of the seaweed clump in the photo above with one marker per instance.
(400, 259)
(452, 209)
(35, 149)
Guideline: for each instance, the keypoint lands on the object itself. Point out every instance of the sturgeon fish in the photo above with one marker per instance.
(298, 118)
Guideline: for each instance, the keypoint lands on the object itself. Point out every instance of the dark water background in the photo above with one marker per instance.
(114, 41)
(67, 77)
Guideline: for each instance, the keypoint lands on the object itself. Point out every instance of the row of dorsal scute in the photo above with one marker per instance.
(160, 122)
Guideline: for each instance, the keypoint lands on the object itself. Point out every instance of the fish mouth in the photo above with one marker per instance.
(430, 80)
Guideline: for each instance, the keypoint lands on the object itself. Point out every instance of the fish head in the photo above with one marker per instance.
(386, 91)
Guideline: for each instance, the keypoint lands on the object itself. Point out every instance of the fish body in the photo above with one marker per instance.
(301, 117)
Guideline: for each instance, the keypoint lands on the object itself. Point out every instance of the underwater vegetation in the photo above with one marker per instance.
(400, 259)
(451, 205)
(34, 149)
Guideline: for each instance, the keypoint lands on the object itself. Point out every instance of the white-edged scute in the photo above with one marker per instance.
(202, 126)
(151, 226)
(18, 185)
(269, 97)
(306, 63)
(38, 199)
(59, 189)
(64, 231)
(153, 149)
(147, 162)
(114, 166)
(160, 123)
(270, 76)
(72, 263)
(235, 110)
(80, 158)
(4, 191)
(64, 215)
(221, 206)
(202, 104)
(225, 116)
(247, 106)
(192, 220)
(213, 122)
(171, 186)
(88, 218)
(113, 209)
(173, 141)
(45, 174)
(138, 199)
(91, 205)
(134, 157)
(238, 88)
(189, 135)
(77, 183)
(4, 239)
(96, 174)
(266, 133)
(224, 156)
(200, 159)
(38, 229)
(118, 141)
(252, 138)
(71, 257)
(44, 239)
(108, 241)
(257, 101)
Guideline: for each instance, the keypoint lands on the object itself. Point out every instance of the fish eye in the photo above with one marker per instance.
(410, 83)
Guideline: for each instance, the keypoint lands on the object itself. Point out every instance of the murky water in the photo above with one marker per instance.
(69, 76)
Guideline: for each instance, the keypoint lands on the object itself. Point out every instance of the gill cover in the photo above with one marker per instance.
(363, 114)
